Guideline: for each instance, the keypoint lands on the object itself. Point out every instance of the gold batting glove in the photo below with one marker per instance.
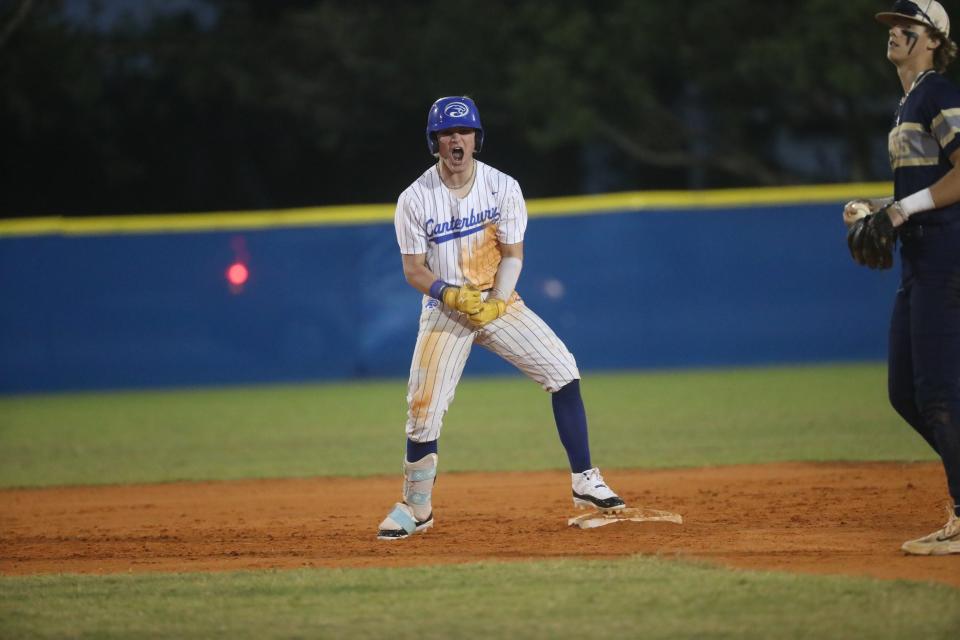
(489, 311)
(465, 299)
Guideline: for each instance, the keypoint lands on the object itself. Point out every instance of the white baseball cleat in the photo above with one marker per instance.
(401, 523)
(590, 491)
(941, 542)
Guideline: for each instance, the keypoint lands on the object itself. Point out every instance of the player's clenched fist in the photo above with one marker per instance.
(465, 299)
(489, 311)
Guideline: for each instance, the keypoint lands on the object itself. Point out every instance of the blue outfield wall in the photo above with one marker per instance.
(623, 289)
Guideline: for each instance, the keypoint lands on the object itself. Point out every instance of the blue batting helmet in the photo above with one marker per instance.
(450, 112)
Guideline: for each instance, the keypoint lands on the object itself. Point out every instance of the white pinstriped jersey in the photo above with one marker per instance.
(461, 237)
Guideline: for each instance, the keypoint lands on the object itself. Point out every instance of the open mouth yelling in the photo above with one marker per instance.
(457, 153)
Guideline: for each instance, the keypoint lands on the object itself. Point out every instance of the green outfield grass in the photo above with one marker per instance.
(669, 419)
(630, 598)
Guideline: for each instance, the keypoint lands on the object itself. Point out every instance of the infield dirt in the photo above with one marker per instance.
(829, 518)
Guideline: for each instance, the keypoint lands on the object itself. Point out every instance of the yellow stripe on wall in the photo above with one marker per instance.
(379, 213)
(757, 196)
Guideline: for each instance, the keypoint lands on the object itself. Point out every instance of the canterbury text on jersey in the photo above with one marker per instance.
(461, 235)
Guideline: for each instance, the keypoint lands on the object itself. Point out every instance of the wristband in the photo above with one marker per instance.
(436, 289)
(916, 203)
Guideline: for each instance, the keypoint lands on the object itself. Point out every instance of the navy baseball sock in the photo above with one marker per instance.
(571, 420)
(418, 450)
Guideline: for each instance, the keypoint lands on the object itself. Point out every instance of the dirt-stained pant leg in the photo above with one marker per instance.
(443, 345)
(522, 338)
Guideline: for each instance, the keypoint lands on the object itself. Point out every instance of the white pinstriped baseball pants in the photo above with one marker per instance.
(443, 344)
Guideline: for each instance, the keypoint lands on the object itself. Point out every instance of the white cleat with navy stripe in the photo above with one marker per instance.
(590, 491)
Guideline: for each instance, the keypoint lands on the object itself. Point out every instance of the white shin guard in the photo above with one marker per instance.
(418, 479)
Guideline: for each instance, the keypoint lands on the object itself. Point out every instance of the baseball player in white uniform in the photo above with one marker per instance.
(460, 228)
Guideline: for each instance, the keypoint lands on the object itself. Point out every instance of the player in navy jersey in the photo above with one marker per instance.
(460, 227)
(924, 215)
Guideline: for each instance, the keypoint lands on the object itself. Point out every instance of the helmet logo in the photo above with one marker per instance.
(456, 110)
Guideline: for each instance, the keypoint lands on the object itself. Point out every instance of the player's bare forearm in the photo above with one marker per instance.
(417, 273)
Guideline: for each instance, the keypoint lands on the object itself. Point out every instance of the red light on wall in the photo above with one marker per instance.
(237, 274)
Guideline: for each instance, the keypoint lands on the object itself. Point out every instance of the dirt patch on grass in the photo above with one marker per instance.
(810, 518)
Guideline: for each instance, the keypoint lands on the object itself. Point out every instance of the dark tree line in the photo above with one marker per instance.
(292, 103)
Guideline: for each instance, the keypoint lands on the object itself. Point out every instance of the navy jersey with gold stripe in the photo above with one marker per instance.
(926, 131)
